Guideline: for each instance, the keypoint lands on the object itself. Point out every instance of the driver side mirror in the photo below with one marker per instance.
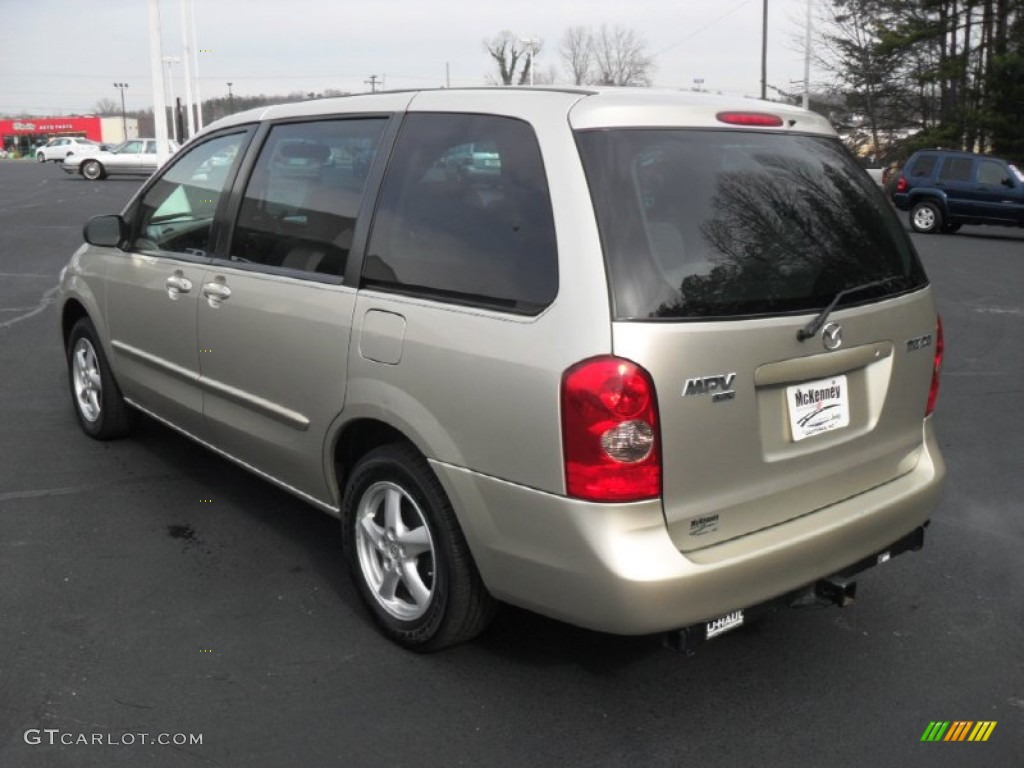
(107, 231)
(1008, 183)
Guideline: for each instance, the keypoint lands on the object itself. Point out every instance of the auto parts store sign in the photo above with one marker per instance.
(90, 126)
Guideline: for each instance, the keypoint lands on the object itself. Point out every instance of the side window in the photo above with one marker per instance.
(176, 213)
(465, 215)
(131, 148)
(956, 169)
(991, 172)
(924, 166)
(303, 198)
(150, 148)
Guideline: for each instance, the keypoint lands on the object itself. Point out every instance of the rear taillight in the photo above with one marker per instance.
(940, 346)
(610, 431)
(901, 184)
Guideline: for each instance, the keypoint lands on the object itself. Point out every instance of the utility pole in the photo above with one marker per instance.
(764, 51)
(231, 100)
(124, 118)
(807, 60)
(372, 82)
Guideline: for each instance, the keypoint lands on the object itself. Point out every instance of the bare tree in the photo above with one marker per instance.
(616, 56)
(106, 107)
(546, 76)
(513, 56)
(576, 52)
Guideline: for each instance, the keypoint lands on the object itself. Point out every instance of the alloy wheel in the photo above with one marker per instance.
(396, 551)
(87, 382)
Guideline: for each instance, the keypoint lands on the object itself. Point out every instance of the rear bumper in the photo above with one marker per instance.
(614, 568)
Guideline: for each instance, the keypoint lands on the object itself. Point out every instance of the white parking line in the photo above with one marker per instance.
(44, 302)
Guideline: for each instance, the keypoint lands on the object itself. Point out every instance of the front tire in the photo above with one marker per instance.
(92, 170)
(408, 556)
(40, 157)
(926, 218)
(99, 405)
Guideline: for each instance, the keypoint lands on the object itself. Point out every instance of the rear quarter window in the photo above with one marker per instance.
(465, 215)
(922, 167)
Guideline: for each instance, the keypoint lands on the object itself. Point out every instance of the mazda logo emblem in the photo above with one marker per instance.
(832, 336)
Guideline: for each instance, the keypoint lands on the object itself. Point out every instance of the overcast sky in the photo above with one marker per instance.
(61, 56)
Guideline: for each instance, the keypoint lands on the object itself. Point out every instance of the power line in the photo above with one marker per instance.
(697, 31)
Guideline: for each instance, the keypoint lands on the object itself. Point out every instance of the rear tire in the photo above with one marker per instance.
(99, 405)
(407, 555)
(92, 170)
(926, 218)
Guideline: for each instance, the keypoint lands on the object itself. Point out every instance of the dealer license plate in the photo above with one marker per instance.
(818, 406)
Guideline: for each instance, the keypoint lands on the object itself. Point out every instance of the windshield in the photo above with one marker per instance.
(709, 224)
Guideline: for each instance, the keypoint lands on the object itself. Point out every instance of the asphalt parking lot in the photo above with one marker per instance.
(149, 587)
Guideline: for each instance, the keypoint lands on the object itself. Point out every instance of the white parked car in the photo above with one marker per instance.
(65, 146)
(133, 157)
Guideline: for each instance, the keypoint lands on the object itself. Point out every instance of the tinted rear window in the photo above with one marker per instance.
(712, 224)
(923, 166)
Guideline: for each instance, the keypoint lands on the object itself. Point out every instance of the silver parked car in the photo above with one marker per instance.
(133, 157)
(670, 360)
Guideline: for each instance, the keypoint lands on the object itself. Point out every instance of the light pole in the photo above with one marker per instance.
(124, 119)
(231, 100)
(533, 46)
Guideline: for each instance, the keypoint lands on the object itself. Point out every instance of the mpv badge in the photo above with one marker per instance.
(832, 336)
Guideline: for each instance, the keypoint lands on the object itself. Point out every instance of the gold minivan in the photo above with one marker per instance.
(670, 360)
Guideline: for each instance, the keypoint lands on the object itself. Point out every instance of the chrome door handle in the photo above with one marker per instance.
(176, 285)
(216, 293)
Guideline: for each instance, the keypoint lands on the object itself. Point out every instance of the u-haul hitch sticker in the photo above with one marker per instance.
(723, 624)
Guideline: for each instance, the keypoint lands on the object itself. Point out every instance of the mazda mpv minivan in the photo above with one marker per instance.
(670, 361)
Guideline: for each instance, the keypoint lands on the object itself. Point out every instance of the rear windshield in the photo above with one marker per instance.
(711, 224)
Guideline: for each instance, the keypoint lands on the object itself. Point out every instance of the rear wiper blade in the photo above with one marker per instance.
(812, 328)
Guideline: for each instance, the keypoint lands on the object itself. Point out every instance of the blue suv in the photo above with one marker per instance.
(944, 189)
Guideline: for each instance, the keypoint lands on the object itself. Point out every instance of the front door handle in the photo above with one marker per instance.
(177, 284)
(216, 293)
